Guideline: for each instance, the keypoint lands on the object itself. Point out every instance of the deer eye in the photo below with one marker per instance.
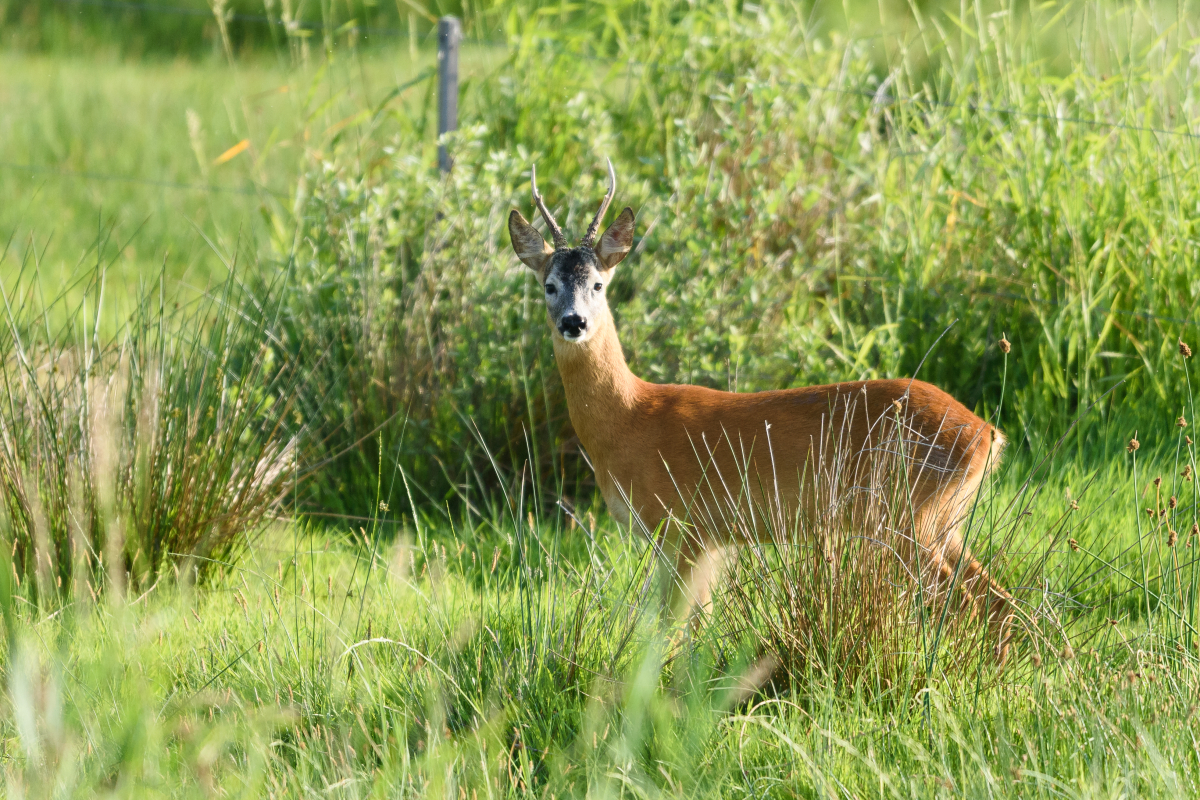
(599, 286)
(550, 288)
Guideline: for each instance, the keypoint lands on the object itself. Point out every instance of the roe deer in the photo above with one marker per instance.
(662, 451)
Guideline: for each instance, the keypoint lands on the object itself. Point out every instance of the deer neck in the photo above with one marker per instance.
(602, 393)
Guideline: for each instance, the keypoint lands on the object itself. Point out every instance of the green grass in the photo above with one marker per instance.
(449, 660)
(101, 164)
(408, 609)
(188, 28)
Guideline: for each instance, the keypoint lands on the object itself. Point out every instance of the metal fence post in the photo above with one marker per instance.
(449, 35)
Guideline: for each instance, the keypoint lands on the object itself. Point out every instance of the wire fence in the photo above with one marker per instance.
(879, 97)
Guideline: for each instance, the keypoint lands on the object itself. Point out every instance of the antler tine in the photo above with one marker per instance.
(560, 240)
(589, 238)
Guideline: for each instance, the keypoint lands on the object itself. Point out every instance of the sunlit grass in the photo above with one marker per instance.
(450, 656)
(104, 161)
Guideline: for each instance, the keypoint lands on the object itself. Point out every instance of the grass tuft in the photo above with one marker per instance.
(118, 460)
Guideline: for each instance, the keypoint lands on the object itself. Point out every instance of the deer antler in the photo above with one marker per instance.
(589, 238)
(560, 241)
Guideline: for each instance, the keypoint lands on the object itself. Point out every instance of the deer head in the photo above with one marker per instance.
(573, 278)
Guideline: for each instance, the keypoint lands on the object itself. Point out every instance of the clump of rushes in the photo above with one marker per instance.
(171, 442)
(825, 602)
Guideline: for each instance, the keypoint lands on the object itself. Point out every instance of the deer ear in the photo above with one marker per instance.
(615, 243)
(528, 244)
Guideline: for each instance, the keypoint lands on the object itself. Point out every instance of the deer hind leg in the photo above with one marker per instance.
(946, 561)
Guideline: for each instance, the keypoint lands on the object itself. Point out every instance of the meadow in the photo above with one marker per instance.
(287, 485)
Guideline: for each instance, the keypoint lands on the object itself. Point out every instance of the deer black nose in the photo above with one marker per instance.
(572, 325)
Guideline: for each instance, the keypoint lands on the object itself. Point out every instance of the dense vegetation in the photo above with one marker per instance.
(313, 521)
(810, 218)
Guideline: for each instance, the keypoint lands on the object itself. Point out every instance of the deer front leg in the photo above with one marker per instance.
(689, 590)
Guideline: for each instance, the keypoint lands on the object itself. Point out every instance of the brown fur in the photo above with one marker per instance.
(671, 452)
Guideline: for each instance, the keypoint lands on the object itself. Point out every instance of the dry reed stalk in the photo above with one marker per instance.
(842, 590)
